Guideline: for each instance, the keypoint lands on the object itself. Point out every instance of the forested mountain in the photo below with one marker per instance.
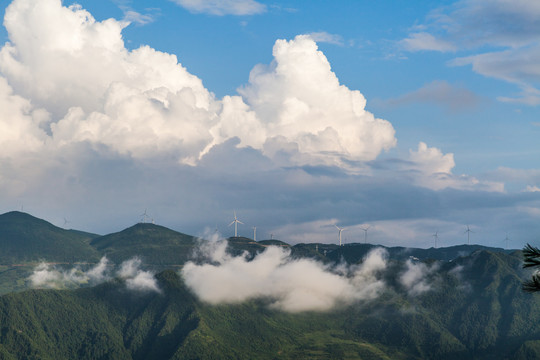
(24, 238)
(486, 316)
(156, 244)
(461, 302)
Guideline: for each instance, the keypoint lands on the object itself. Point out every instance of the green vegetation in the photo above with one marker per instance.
(24, 238)
(485, 317)
(155, 244)
(475, 307)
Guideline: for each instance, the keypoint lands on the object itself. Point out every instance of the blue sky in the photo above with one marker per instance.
(195, 109)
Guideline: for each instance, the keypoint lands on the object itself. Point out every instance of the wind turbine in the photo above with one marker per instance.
(144, 216)
(468, 231)
(339, 233)
(365, 233)
(436, 236)
(506, 239)
(236, 222)
(254, 233)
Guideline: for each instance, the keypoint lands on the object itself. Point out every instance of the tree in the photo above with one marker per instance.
(531, 256)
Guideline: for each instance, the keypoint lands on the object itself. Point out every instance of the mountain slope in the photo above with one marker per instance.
(157, 245)
(355, 252)
(475, 309)
(24, 238)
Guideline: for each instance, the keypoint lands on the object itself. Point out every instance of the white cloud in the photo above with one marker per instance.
(19, 123)
(49, 276)
(300, 101)
(223, 7)
(288, 284)
(415, 279)
(133, 16)
(450, 97)
(136, 278)
(99, 272)
(431, 160)
(518, 66)
(140, 125)
(424, 41)
(143, 103)
(483, 26)
(476, 23)
(436, 171)
(62, 57)
(324, 37)
(520, 176)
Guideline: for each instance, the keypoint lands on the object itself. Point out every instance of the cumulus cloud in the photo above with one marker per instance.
(223, 7)
(142, 103)
(291, 285)
(431, 160)
(19, 123)
(301, 102)
(436, 171)
(48, 276)
(136, 102)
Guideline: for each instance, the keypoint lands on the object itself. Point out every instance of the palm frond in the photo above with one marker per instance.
(531, 255)
(532, 285)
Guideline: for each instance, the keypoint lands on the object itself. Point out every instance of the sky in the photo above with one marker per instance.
(407, 120)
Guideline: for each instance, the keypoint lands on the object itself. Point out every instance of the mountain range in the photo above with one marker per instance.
(462, 302)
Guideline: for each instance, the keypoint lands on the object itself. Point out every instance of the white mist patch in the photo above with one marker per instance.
(415, 278)
(48, 276)
(136, 278)
(291, 285)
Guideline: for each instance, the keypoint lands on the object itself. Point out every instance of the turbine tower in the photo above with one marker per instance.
(365, 233)
(468, 232)
(436, 236)
(506, 239)
(144, 216)
(235, 222)
(254, 233)
(339, 233)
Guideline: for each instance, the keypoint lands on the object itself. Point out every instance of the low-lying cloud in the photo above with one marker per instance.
(416, 277)
(51, 277)
(291, 285)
